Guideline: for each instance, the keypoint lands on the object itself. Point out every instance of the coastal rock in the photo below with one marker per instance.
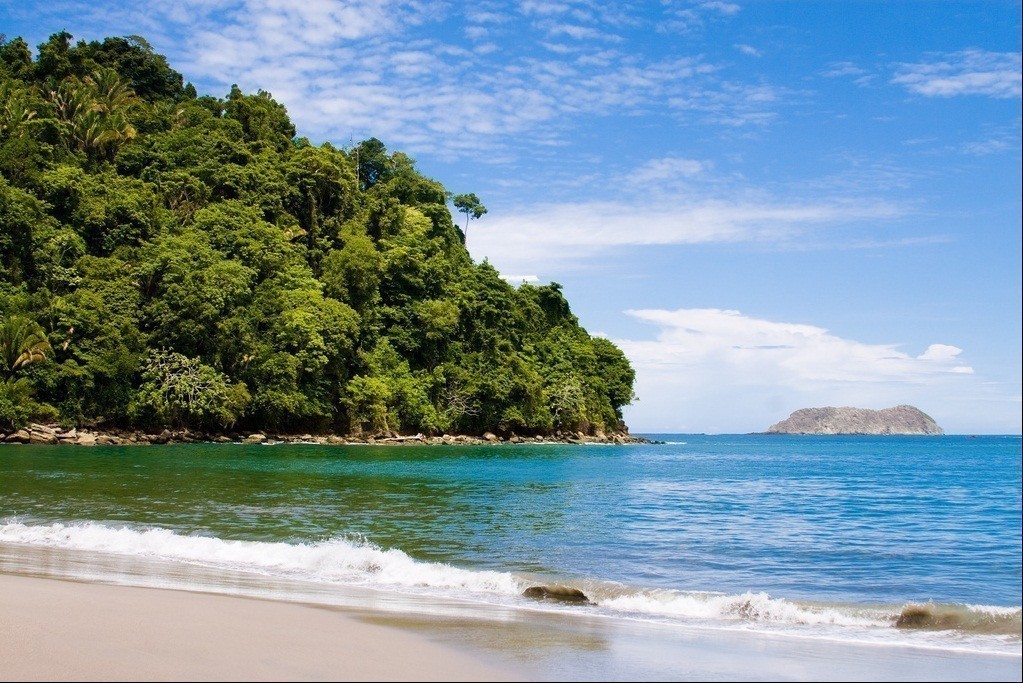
(42, 437)
(902, 419)
(564, 594)
(162, 437)
(490, 436)
(20, 436)
(255, 438)
(86, 439)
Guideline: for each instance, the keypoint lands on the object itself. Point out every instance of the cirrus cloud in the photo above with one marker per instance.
(544, 237)
(969, 72)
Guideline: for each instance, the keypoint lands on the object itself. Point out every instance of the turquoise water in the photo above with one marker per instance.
(822, 534)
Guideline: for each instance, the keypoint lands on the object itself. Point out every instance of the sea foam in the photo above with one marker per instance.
(354, 561)
(338, 559)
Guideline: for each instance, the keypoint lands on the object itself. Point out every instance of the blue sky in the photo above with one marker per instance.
(767, 205)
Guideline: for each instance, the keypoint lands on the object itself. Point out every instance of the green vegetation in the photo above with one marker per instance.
(174, 260)
(470, 205)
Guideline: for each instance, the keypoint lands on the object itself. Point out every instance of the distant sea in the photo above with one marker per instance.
(881, 540)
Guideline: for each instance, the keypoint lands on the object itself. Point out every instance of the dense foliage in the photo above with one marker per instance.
(174, 260)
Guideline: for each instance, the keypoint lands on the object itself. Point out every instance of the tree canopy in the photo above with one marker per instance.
(471, 206)
(170, 259)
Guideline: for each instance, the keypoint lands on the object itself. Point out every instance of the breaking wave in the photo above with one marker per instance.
(353, 561)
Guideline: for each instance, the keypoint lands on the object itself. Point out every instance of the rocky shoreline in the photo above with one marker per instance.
(41, 434)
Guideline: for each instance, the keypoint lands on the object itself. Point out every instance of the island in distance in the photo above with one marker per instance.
(898, 420)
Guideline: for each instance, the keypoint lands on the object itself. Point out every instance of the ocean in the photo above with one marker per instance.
(881, 541)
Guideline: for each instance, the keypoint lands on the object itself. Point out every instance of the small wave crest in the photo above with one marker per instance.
(746, 607)
(980, 619)
(337, 559)
(356, 561)
(761, 607)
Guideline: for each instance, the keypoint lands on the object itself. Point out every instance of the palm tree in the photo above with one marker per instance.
(16, 110)
(22, 342)
(93, 112)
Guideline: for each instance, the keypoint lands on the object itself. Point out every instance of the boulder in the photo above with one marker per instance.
(86, 439)
(490, 436)
(563, 594)
(20, 436)
(42, 429)
(162, 437)
(255, 438)
(42, 437)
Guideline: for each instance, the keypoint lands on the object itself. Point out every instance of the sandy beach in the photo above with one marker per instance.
(62, 630)
(57, 629)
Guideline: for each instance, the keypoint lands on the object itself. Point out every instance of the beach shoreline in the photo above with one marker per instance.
(56, 629)
(59, 622)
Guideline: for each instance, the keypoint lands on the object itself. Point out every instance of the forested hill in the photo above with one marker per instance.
(174, 260)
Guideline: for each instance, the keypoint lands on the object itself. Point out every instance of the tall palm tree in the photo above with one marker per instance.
(22, 342)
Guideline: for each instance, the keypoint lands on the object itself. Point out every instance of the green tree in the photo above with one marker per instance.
(372, 162)
(470, 205)
(352, 273)
(15, 58)
(181, 391)
(22, 342)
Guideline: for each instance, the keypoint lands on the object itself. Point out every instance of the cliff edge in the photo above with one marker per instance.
(898, 420)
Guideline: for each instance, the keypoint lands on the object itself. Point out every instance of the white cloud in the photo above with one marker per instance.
(666, 169)
(543, 8)
(579, 32)
(996, 140)
(547, 236)
(519, 279)
(409, 74)
(942, 352)
(789, 354)
(364, 68)
(748, 50)
(710, 369)
(687, 18)
(732, 104)
(969, 72)
(727, 8)
(839, 69)
(483, 16)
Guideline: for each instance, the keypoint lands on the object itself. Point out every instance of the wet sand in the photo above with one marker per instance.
(62, 630)
(177, 621)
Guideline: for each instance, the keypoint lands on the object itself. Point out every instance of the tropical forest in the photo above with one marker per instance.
(186, 261)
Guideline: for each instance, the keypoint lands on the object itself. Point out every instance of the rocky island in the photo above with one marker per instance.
(901, 419)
